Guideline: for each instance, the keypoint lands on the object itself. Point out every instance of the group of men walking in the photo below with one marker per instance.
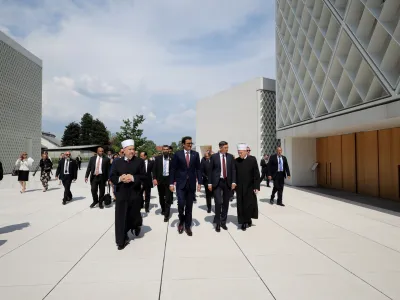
(134, 176)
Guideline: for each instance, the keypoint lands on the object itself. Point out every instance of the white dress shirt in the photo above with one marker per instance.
(101, 162)
(165, 166)
(23, 165)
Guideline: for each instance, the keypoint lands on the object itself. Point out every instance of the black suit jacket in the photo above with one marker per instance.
(216, 167)
(148, 181)
(73, 169)
(273, 166)
(182, 174)
(105, 168)
(158, 168)
(205, 169)
(263, 164)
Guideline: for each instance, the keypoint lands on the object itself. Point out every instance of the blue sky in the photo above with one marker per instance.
(116, 59)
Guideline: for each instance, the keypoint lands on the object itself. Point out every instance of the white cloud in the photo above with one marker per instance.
(116, 60)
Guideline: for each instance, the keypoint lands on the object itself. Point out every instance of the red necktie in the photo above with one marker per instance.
(187, 159)
(223, 166)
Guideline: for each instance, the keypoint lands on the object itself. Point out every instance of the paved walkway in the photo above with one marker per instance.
(314, 248)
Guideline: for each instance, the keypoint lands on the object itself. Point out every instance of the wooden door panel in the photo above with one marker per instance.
(335, 161)
(349, 162)
(367, 163)
(322, 148)
(385, 162)
(395, 155)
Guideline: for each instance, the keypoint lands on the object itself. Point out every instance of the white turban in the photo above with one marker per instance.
(242, 146)
(127, 143)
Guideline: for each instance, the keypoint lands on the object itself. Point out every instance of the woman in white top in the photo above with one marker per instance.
(23, 165)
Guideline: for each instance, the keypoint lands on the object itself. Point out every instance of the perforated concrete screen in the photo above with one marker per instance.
(333, 55)
(268, 117)
(20, 105)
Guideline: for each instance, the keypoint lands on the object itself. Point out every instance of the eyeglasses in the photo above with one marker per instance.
(189, 143)
(248, 150)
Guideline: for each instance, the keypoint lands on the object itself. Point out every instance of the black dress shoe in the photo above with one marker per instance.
(137, 231)
(244, 227)
(165, 219)
(250, 223)
(101, 206)
(218, 228)
(224, 227)
(93, 204)
(180, 228)
(189, 231)
(281, 204)
(271, 201)
(64, 202)
(147, 210)
(209, 210)
(121, 247)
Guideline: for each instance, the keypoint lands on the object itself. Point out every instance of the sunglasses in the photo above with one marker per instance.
(248, 150)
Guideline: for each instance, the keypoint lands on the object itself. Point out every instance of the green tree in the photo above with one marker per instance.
(131, 130)
(150, 147)
(71, 134)
(174, 147)
(86, 129)
(99, 134)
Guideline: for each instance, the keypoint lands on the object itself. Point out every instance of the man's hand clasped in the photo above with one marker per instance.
(126, 178)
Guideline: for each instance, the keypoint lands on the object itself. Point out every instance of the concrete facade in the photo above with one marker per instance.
(20, 102)
(338, 72)
(244, 113)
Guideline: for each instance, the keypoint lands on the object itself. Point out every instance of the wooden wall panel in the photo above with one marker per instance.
(389, 161)
(335, 161)
(322, 155)
(349, 162)
(395, 150)
(385, 170)
(367, 163)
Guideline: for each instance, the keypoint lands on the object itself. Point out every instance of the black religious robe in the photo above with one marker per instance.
(247, 180)
(128, 196)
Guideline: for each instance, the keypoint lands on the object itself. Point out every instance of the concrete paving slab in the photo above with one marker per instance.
(314, 248)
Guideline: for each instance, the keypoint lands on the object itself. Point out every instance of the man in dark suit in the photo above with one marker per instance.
(205, 170)
(67, 171)
(264, 168)
(99, 171)
(161, 175)
(278, 169)
(185, 170)
(222, 181)
(148, 182)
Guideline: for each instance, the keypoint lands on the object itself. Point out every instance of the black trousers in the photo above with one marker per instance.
(98, 185)
(127, 217)
(185, 205)
(264, 175)
(279, 183)
(166, 197)
(147, 195)
(208, 194)
(66, 181)
(222, 194)
(79, 164)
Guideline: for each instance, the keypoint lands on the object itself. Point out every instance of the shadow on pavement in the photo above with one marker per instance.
(379, 204)
(15, 227)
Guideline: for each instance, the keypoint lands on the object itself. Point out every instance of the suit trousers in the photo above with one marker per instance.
(264, 175)
(279, 183)
(66, 181)
(166, 198)
(185, 204)
(222, 194)
(208, 194)
(98, 185)
(147, 195)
